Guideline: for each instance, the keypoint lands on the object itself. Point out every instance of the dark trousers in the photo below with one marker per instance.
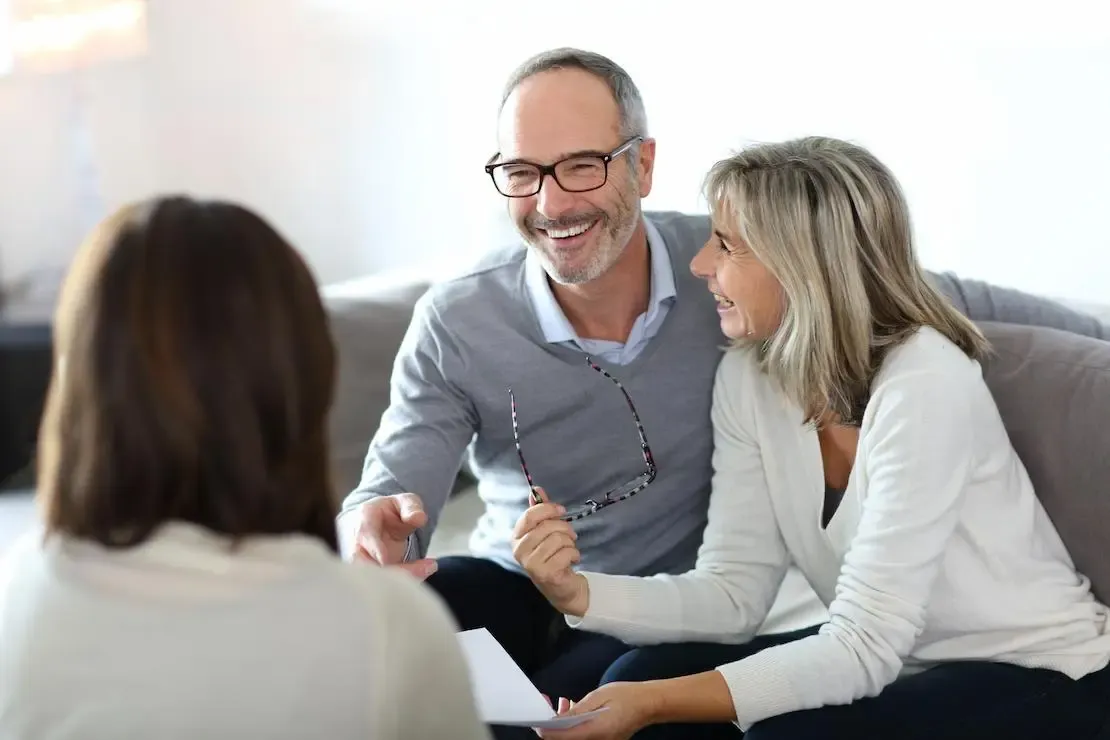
(955, 701)
(559, 661)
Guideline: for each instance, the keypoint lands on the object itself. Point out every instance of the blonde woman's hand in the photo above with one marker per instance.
(544, 545)
(629, 708)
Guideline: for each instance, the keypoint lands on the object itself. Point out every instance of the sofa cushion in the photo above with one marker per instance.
(368, 325)
(1053, 392)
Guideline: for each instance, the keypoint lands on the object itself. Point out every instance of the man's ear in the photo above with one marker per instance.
(646, 166)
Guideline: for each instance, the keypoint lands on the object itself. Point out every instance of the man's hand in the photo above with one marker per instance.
(544, 546)
(384, 526)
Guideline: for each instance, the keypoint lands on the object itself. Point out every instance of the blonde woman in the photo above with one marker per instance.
(188, 584)
(855, 436)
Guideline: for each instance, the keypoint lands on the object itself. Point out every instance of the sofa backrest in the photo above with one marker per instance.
(1053, 393)
(368, 327)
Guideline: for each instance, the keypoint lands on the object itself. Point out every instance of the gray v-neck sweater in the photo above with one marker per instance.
(474, 337)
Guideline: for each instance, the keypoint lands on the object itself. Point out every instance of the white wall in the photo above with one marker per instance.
(251, 99)
(360, 127)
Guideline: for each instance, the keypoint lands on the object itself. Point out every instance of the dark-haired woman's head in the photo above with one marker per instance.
(194, 372)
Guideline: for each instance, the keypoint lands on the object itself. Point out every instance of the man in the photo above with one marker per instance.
(598, 279)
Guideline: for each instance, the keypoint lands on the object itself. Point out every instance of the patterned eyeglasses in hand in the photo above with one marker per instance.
(629, 489)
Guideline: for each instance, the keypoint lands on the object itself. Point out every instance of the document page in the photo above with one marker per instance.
(505, 695)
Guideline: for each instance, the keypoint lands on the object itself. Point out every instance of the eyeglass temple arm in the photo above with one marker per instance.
(649, 459)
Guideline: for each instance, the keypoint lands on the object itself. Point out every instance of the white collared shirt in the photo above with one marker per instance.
(557, 329)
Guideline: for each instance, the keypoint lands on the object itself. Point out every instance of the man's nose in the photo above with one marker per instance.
(552, 201)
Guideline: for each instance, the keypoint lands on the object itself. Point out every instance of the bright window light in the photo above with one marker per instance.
(54, 35)
(7, 59)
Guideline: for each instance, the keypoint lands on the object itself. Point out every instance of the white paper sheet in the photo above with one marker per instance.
(505, 695)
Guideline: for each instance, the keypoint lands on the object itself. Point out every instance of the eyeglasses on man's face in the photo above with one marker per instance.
(616, 495)
(578, 173)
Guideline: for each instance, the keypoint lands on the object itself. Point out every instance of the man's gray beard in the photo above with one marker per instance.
(611, 247)
(608, 252)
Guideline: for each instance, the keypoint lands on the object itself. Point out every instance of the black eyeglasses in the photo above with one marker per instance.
(628, 490)
(576, 174)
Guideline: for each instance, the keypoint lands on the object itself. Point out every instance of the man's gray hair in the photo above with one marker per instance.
(633, 117)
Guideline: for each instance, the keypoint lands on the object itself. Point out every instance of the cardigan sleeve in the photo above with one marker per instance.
(742, 559)
(918, 456)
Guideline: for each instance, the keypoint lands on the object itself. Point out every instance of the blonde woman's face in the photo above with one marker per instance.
(749, 297)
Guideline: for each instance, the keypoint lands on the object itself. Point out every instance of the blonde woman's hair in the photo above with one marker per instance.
(830, 222)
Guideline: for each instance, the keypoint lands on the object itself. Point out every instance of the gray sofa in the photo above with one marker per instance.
(1052, 387)
(369, 317)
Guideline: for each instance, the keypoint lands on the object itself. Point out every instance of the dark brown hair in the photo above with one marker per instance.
(194, 372)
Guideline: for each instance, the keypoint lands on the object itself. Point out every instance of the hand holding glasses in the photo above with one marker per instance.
(592, 506)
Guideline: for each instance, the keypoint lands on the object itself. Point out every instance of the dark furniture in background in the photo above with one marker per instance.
(25, 364)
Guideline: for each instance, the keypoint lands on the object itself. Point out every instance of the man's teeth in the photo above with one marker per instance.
(722, 300)
(567, 233)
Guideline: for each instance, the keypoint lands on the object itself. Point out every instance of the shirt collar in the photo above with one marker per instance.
(553, 322)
